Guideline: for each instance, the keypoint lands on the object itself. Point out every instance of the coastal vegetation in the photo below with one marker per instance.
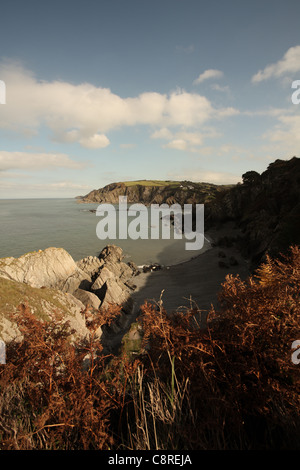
(231, 385)
(155, 192)
(167, 384)
(265, 207)
(152, 183)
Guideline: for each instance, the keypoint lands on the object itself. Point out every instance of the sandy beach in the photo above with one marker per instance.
(197, 280)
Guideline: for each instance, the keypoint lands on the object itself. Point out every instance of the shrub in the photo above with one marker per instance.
(229, 386)
(48, 399)
(243, 389)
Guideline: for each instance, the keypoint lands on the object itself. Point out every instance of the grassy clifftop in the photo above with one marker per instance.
(152, 183)
(155, 192)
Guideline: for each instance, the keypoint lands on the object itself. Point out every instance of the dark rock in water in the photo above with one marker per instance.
(151, 267)
(156, 267)
(134, 268)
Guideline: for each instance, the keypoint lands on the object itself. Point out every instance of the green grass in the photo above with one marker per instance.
(132, 341)
(176, 184)
(152, 183)
(14, 293)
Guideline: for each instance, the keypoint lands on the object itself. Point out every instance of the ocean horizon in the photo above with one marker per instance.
(38, 223)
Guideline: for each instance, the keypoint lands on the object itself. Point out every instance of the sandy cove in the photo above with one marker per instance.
(198, 280)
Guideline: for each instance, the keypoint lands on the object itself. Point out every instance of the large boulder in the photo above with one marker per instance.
(87, 298)
(115, 292)
(94, 282)
(120, 270)
(90, 265)
(110, 283)
(113, 266)
(111, 254)
(43, 268)
(78, 280)
(44, 304)
(52, 267)
(105, 274)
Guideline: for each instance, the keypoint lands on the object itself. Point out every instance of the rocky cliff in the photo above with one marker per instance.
(50, 280)
(266, 208)
(152, 192)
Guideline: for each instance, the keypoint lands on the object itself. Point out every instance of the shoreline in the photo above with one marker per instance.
(195, 282)
(167, 266)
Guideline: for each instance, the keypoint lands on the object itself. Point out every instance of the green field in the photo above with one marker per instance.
(152, 183)
(198, 186)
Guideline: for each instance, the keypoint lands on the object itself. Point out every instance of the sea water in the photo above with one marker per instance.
(35, 224)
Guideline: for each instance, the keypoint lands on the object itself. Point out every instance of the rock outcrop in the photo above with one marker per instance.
(43, 268)
(265, 207)
(43, 302)
(147, 193)
(52, 280)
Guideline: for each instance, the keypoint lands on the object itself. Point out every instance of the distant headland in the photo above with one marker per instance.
(264, 207)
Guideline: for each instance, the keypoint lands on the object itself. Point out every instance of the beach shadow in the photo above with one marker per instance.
(190, 284)
(193, 284)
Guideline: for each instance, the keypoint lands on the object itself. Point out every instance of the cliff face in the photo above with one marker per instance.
(51, 281)
(266, 207)
(171, 193)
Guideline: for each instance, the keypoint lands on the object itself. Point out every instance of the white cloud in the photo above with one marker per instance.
(181, 140)
(184, 140)
(210, 176)
(12, 175)
(23, 189)
(187, 109)
(163, 133)
(36, 161)
(285, 134)
(85, 113)
(127, 146)
(65, 185)
(194, 138)
(272, 112)
(177, 144)
(208, 74)
(95, 141)
(290, 63)
(222, 89)
(235, 152)
(226, 112)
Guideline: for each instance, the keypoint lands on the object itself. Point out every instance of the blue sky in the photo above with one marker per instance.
(104, 91)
